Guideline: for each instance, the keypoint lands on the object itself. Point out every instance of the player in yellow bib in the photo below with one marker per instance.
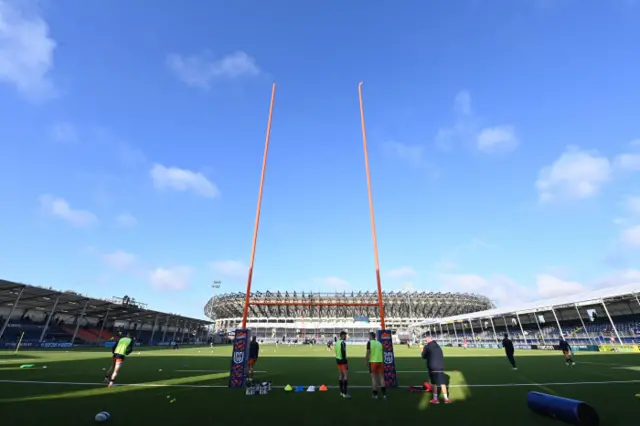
(375, 361)
(122, 348)
(343, 365)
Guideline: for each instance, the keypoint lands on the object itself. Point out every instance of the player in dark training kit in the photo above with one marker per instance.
(432, 353)
(566, 350)
(254, 351)
(509, 350)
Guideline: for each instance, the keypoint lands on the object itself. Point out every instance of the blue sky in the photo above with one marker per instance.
(504, 141)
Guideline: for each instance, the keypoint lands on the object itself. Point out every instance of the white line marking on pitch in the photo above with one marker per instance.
(403, 371)
(209, 371)
(161, 385)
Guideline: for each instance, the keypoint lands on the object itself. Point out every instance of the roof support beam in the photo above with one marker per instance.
(46, 326)
(78, 319)
(13, 308)
(604, 305)
(104, 322)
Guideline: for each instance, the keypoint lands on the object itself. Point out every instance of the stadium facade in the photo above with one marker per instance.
(305, 316)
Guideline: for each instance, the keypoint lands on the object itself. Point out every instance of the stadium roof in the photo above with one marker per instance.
(580, 299)
(71, 303)
(345, 304)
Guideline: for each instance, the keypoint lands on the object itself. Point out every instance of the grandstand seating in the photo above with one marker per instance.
(599, 332)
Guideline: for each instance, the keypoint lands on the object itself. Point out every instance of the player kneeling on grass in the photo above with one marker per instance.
(432, 353)
(566, 350)
(254, 350)
(375, 362)
(343, 365)
(121, 349)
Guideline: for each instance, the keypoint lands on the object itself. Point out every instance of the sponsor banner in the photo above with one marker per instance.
(490, 346)
(361, 319)
(53, 345)
(390, 377)
(619, 348)
(521, 346)
(163, 343)
(546, 347)
(239, 358)
(45, 345)
(13, 345)
(25, 327)
(582, 348)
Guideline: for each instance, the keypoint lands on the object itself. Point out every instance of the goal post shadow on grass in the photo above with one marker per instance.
(240, 353)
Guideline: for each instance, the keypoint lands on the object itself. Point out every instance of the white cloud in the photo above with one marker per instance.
(26, 51)
(446, 265)
(495, 139)
(633, 204)
(177, 278)
(549, 286)
(620, 278)
(631, 237)
(183, 180)
(499, 288)
(576, 174)
(230, 268)
(499, 139)
(619, 221)
(64, 133)
(201, 70)
(333, 283)
(60, 208)
(120, 260)
(627, 162)
(126, 220)
(402, 273)
(412, 154)
(408, 286)
(506, 292)
(129, 155)
(464, 126)
(462, 103)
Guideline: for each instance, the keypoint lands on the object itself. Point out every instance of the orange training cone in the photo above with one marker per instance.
(323, 388)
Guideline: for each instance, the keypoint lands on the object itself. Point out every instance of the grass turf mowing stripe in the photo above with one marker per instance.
(210, 371)
(161, 385)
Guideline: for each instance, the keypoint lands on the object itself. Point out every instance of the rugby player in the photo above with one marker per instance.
(375, 362)
(122, 348)
(343, 365)
(432, 353)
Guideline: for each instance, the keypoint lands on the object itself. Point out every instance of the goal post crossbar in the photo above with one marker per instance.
(338, 304)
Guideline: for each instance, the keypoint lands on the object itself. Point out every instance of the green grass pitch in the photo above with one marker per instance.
(485, 390)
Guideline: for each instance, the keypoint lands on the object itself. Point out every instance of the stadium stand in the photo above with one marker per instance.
(286, 321)
(41, 317)
(607, 318)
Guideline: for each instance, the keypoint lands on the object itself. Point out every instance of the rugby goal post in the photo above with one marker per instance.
(240, 353)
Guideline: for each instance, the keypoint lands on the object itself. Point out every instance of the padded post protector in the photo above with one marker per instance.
(564, 409)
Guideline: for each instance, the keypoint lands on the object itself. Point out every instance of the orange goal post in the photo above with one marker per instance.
(242, 335)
